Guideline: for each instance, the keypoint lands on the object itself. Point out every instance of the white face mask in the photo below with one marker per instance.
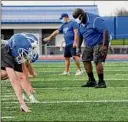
(78, 21)
(63, 21)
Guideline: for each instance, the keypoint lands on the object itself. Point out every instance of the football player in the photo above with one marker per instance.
(13, 57)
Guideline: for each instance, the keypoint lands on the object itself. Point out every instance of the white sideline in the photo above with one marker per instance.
(88, 101)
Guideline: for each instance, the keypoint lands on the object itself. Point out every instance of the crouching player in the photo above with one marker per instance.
(13, 57)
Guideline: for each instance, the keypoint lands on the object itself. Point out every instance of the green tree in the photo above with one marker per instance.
(121, 12)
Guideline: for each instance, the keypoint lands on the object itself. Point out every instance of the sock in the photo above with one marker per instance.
(101, 77)
(91, 76)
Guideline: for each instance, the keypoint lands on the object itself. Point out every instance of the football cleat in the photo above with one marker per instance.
(65, 73)
(32, 99)
(79, 72)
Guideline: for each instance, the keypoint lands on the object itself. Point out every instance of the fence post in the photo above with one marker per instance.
(115, 27)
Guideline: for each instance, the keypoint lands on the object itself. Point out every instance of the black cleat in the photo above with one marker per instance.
(101, 85)
(89, 84)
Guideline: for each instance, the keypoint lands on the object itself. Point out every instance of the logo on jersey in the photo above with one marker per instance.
(65, 30)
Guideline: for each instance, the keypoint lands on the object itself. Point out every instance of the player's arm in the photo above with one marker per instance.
(51, 36)
(76, 38)
(80, 43)
(105, 37)
(17, 88)
(99, 25)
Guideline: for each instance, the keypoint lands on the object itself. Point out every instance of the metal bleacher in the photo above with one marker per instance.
(40, 14)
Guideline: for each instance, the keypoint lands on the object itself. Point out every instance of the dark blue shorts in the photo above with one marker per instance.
(69, 51)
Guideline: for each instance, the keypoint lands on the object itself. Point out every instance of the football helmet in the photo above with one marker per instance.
(34, 43)
(20, 48)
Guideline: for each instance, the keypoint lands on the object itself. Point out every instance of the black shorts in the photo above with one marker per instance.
(69, 51)
(93, 54)
(8, 61)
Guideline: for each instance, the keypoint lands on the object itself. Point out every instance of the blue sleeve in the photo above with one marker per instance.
(79, 33)
(99, 24)
(60, 29)
(75, 25)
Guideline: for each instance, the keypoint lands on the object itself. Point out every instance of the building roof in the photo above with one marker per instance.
(40, 14)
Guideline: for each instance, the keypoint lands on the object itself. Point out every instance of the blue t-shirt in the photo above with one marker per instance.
(92, 31)
(68, 30)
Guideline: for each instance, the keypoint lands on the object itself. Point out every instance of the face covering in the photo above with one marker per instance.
(81, 19)
(63, 21)
(78, 21)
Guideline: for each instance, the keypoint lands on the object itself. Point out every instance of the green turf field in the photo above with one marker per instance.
(119, 42)
(62, 99)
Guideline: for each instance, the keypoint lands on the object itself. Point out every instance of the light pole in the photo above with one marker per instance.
(94, 2)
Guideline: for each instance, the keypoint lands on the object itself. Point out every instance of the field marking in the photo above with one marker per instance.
(78, 87)
(7, 117)
(74, 101)
(50, 88)
(72, 79)
(8, 107)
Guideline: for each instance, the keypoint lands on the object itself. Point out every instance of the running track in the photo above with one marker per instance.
(118, 57)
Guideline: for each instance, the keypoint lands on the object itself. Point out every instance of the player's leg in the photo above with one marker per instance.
(25, 83)
(76, 59)
(98, 58)
(30, 69)
(25, 86)
(87, 57)
(25, 71)
(67, 64)
(77, 62)
(17, 88)
(67, 56)
(3, 75)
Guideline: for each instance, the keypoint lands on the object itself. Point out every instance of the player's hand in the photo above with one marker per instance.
(47, 39)
(24, 108)
(104, 50)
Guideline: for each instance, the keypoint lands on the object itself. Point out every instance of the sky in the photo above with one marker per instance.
(106, 8)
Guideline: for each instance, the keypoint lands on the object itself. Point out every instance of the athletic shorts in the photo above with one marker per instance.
(8, 61)
(69, 51)
(93, 54)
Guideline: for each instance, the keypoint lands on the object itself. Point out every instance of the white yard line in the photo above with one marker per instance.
(8, 107)
(78, 88)
(7, 117)
(75, 101)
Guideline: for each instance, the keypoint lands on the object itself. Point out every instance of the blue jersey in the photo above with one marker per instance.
(92, 31)
(68, 30)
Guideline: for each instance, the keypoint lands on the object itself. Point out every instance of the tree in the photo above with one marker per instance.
(121, 12)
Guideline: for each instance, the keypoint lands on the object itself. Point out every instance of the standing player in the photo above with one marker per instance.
(13, 57)
(95, 37)
(70, 30)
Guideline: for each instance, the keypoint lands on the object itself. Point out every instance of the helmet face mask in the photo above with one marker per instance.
(24, 55)
(34, 54)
